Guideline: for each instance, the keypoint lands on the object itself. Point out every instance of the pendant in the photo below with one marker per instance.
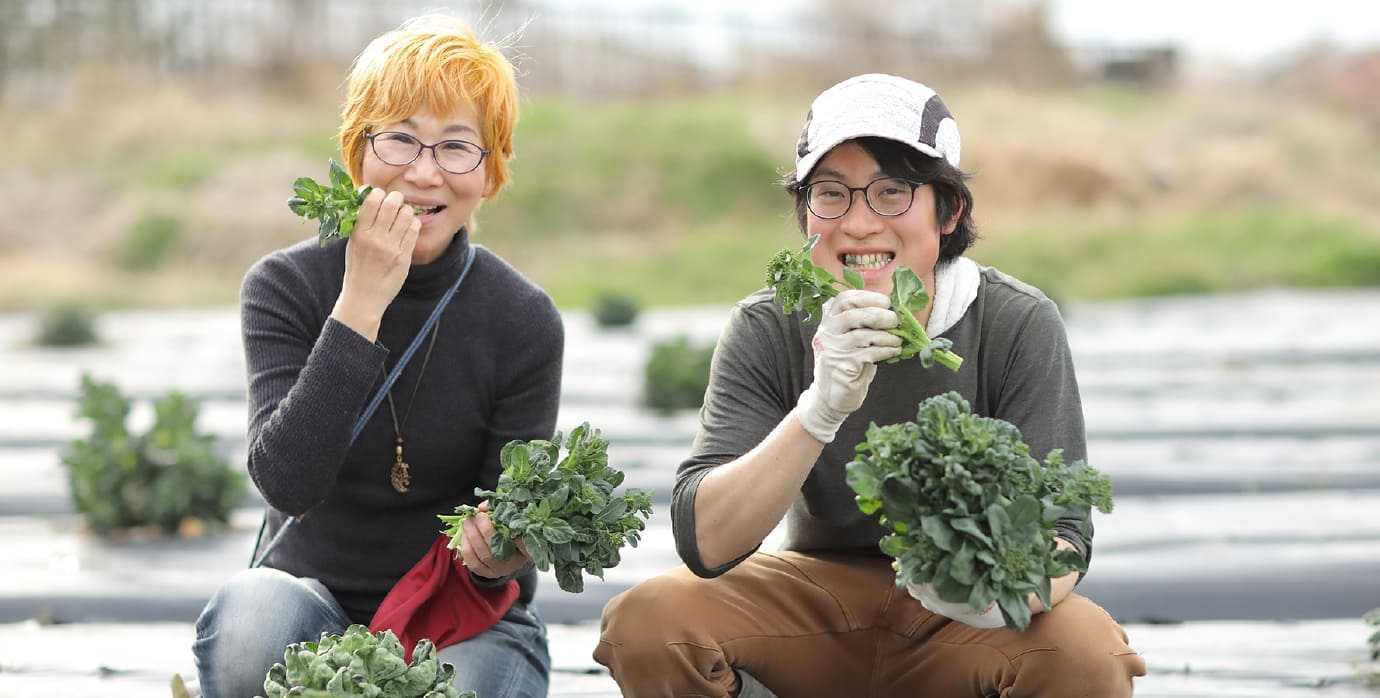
(399, 476)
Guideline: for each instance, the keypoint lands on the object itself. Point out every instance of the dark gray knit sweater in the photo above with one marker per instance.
(494, 376)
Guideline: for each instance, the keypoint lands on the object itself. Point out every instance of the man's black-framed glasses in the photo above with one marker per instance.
(887, 196)
(453, 156)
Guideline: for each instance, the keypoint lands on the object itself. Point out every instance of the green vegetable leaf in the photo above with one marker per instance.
(336, 206)
(802, 285)
(977, 517)
(562, 507)
(360, 663)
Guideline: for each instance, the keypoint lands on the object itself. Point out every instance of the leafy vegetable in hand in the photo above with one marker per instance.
(970, 510)
(563, 509)
(801, 284)
(360, 663)
(336, 205)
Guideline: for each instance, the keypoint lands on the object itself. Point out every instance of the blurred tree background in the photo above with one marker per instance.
(150, 145)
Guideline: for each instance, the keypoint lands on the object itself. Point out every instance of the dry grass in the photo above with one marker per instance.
(1171, 155)
(219, 159)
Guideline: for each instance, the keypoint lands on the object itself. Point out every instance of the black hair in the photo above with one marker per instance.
(897, 159)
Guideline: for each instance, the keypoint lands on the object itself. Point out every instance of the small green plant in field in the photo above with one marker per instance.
(615, 310)
(161, 478)
(147, 243)
(66, 325)
(179, 687)
(181, 170)
(1371, 674)
(360, 663)
(676, 374)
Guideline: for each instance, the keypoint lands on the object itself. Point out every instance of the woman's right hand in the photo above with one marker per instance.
(378, 255)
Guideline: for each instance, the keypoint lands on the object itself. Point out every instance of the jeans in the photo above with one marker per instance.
(254, 616)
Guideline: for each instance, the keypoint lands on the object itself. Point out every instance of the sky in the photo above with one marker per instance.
(1245, 32)
(1238, 31)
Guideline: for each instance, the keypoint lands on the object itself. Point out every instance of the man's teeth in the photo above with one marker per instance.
(876, 260)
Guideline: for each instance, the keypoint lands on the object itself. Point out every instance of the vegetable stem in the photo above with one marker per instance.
(800, 284)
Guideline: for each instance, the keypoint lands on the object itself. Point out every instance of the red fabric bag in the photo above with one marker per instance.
(437, 600)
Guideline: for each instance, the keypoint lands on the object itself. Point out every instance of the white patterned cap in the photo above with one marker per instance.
(879, 105)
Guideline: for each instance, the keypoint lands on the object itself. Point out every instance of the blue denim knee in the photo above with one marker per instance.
(258, 612)
(248, 623)
(509, 660)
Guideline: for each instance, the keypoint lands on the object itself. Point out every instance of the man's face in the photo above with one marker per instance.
(865, 241)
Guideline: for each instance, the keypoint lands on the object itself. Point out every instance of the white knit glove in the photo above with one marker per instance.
(989, 617)
(851, 339)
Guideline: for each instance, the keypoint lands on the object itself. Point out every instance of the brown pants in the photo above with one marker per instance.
(837, 625)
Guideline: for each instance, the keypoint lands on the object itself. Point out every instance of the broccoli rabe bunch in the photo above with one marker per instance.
(335, 204)
(360, 663)
(562, 507)
(800, 284)
(970, 510)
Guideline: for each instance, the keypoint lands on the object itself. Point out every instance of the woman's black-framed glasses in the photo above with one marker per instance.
(453, 156)
(887, 196)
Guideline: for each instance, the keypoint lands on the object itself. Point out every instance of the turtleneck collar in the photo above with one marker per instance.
(433, 278)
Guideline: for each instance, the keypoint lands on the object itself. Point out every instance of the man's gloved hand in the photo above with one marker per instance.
(988, 618)
(851, 339)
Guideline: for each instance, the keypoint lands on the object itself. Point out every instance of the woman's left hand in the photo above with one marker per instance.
(475, 551)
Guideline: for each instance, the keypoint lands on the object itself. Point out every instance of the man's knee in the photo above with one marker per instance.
(643, 611)
(1087, 654)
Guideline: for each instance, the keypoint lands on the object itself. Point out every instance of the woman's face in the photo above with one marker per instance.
(444, 200)
(870, 243)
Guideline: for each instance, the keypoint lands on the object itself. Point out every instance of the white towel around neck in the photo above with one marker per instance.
(955, 288)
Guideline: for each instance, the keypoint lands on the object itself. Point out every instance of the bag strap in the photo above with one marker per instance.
(257, 560)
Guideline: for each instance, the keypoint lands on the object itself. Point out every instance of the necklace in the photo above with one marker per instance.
(398, 475)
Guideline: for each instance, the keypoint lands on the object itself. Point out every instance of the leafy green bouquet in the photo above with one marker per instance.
(563, 508)
(335, 204)
(971, 512)
(801, 284)
(360, 663)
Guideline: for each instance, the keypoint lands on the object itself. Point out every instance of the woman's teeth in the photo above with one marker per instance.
(876, 260)
(422, 210)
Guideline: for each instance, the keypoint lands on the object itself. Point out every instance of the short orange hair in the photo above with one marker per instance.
(433, 61)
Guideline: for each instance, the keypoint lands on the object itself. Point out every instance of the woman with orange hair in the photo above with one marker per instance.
(352, 499)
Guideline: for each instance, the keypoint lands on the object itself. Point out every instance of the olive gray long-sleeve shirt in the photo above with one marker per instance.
(1016, 367)
(494, 376)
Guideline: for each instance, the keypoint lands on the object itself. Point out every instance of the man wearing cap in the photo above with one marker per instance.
(877, 178)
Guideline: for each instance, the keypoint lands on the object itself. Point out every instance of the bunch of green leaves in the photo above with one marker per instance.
(802, 285)
(360, 663)
(1372, 618)
(335, 204)
(676, 374)
(562, 507)
(67, 325)
(969, 509)
(170, 473)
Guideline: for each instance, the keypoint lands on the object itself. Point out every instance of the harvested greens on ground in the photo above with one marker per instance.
(335, 204)
(801, 284)
(360, 663)
(563, 508)
(970, 510)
